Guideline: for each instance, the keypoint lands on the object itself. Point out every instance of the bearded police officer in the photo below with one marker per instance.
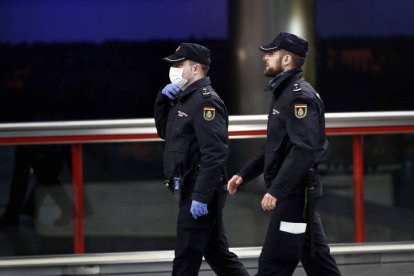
(296, 143)
(193, 121)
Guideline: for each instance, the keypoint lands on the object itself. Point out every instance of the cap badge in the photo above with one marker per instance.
(178, 48)
(301, 110)
(209, 113)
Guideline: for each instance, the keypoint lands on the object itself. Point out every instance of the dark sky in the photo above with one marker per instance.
(100, 20)
(364, 17)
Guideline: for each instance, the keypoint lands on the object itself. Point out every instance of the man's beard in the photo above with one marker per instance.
(273, 71)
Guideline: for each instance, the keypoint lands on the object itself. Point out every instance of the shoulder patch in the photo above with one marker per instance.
(296, 87)
(206, 92)
(301, 110)
(209, 113)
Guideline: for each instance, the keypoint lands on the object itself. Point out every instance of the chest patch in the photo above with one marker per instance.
(301, 110)
(182, 114)
(209, 113)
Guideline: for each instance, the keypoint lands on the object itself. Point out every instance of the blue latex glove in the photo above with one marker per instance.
(198, 209)
(171, 91)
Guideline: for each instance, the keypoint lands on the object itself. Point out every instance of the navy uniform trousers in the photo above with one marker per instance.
(282, 250)
(204, 236)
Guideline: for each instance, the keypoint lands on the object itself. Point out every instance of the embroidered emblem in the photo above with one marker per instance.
(178, 48)
(296, 87)
(301, 110)
(209, 113)
(182, 114)
(275, 111)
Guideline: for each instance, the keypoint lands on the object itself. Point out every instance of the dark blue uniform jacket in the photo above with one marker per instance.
(195, 129)
(296, 139)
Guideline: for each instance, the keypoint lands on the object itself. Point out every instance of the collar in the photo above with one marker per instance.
(195, 86)
(281, 78)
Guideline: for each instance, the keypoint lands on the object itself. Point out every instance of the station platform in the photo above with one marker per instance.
(353, 259)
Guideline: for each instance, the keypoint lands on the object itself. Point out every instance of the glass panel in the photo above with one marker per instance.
(35, 200)
(336, 206)
(127, 207)
(389, 187)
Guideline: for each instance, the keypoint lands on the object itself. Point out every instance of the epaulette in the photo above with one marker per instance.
(206, 92)
(297, 88)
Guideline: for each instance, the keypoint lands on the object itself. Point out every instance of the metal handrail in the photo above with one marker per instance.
(168, 255)
(241, 126)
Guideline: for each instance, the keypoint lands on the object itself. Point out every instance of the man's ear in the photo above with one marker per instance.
(287, 59)
(197, 68)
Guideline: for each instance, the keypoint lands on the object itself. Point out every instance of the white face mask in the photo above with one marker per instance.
(176, 76)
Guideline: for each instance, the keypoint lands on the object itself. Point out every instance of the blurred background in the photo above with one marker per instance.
(66, 60)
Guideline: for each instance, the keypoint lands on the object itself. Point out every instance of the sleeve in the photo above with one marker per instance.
(161, 110)
(211, 129)
(302, 125)
(254, 167)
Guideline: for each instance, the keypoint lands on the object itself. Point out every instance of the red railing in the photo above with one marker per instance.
(241, 127)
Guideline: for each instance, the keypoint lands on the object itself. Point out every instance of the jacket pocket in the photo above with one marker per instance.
(175, 158)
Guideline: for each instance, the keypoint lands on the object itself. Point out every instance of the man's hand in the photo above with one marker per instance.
(268, 202)
(171, 91)
(233, 183)
(198, 209)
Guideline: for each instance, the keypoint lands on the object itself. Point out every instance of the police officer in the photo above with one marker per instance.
(193, 121)
(296, 143)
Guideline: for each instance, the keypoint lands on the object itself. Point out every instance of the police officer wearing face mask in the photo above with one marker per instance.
(193, 121)
(296, 143)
